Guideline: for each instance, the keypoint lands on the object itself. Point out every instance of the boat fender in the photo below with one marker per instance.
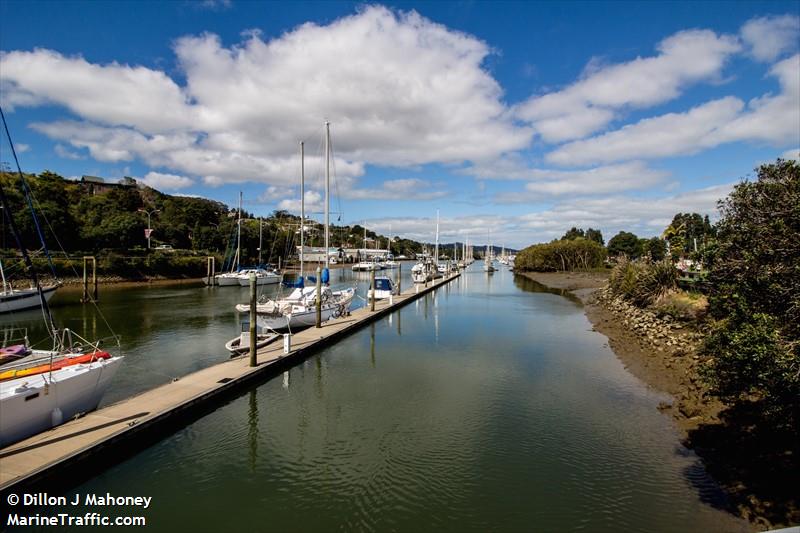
(56, 417)
(326, 276)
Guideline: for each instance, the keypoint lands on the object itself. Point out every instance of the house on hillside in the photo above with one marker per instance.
(96, 185)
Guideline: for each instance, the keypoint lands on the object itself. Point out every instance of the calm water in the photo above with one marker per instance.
(489, 406)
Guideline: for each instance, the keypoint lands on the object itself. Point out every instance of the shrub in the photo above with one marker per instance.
(578, 253)
(683, 306)
(643, 283)
(754, 276)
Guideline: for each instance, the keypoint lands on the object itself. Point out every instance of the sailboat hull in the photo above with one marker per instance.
(227, 280)
(34, 404)
(24, 299)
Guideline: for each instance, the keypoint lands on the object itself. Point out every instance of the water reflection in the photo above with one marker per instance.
(252, 429)
(520, 419)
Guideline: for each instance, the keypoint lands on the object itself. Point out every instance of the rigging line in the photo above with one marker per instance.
(335, 181)
(48, 316)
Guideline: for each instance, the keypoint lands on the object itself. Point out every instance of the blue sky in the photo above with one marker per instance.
(520, 117)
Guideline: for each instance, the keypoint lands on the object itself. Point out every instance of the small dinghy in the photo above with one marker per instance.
(241, 344)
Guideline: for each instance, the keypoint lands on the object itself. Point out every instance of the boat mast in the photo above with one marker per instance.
(238, 234)
(327, 185)
(48, 316)
(436, 252)
(302, 205)
(260, 238)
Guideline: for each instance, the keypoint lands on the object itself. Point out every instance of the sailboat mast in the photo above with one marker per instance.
(48, 316)
(260, 238)
(302, 205)
(436, 251)
(327, 185)
(238, 235)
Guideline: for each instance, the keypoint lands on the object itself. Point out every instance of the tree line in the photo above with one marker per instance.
(109, 218)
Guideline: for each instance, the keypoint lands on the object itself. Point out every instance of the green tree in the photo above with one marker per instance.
(688, 234)
(625, 243)
(595, 235)
(573, 233)
(755, 293)
(656, 248)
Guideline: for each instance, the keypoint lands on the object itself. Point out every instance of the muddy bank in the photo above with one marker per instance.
(756, 470)
(662, 353)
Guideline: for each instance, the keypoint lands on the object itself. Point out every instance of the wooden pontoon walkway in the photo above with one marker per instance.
(45, 456)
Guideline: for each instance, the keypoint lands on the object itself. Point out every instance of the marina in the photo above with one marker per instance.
(36, 458)
(477, 385)
(272, 266)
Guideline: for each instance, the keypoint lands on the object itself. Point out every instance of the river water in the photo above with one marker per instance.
(490, 405)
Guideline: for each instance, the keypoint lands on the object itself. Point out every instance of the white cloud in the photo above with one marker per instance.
(773, 119)
(589, 104)
(791, 154)
(398, 189)
(770, 37)
(643, 215)
(21, 148)
(632, 175)
(160, 181)
(65, 153)
(313, 204)
(406, 91)
(111, 94)
(273, 193)
(665, 135)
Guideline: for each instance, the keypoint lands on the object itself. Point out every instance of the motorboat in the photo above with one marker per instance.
(384, 288)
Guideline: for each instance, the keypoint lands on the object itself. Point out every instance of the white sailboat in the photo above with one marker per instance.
(299, 308)
(264, 276)
(12, 299)
(48, 387)
(229, 279)
(488, 265)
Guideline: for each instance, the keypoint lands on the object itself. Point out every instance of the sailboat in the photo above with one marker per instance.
(488, 266)
(264, 276)
(231, 278)
(299, 309)
(12, 299)
(46, 387)
(366, 264)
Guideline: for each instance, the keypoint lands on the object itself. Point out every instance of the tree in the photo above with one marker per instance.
(595, 235)
(754, 272)
(655, 248)
(687, 234)
(573, 233)
(625, 243)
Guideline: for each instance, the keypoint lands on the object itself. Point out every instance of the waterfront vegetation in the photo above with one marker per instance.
(748, 323)
(566, 254)
(108, 220)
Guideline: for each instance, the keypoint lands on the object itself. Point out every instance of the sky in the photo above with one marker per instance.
(522, 119)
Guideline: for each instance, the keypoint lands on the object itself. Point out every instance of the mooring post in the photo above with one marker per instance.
(211, 266)
(372, 286)
(85, 297)
(399, 277)
(94, 277)
(253, 316)
(319, 297)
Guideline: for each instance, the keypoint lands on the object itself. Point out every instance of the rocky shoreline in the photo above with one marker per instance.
(665, 354)
(661, 352)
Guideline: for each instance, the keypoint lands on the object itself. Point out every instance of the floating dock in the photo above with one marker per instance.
(59, 453)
